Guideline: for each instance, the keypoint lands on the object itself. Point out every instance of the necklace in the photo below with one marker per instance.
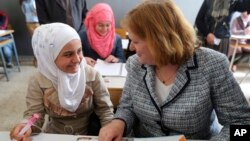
(162, 77)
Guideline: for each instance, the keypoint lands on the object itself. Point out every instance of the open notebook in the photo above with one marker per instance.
(110, 69)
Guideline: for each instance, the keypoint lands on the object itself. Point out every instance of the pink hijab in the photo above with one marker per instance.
(103, 45)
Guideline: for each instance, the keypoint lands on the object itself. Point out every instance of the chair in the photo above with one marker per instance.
(124, 35)
(94, 125)
(235, 44)
(121, 32)
(2, 44)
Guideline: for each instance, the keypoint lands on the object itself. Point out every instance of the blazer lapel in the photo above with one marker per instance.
(149, 80)
(182, 79)
(181, 82)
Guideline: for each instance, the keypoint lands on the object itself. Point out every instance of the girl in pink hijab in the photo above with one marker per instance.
(100, 41)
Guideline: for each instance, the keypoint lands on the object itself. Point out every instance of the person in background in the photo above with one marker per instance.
(100, 40)
(71, 12)
(8, 54)
(65, 87)
(161, 95)
(29, 10)
(212, 22)
(240, 26)
(4, 20)
(9, 48)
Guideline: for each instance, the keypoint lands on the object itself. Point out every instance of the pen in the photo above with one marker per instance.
(83, 138)
(30, 122)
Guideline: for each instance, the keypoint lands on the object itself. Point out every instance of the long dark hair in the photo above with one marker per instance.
(20, 2)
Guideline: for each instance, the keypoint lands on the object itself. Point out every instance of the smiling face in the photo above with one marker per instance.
(70, 57)
(141, 48)
(102, 28)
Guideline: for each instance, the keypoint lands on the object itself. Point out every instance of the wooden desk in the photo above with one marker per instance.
(114, 75)
(6, 32)
(5, 42)
(115, 86)
(235, 43)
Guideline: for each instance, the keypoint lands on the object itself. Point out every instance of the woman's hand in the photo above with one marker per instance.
(15, 131)
(210, 38)
(112, 131)
(90, 61)
(111, 59)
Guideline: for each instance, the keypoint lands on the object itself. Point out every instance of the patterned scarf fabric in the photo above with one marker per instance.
(220, 8)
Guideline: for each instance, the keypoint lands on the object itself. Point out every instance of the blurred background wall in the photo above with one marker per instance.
(120, 8)
(17, 21)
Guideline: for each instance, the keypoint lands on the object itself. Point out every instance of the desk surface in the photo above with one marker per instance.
(240, 36)
(5, 32)
(115, 82)
(115, 86)
(4, 136)
(235, 44)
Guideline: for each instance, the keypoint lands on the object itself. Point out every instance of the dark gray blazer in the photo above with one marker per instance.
(203, 84)
(50, 11)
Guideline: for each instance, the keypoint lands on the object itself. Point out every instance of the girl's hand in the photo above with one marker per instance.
(14, 133)
(90, 61)
(111, 59)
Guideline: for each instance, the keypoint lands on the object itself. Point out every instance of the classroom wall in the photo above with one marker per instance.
(120, 8)
(190, 8)
(17, 21)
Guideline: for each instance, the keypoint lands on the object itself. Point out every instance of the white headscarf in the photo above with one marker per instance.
(47, 42)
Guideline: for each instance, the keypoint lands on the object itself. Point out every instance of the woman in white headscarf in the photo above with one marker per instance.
(65, 87)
